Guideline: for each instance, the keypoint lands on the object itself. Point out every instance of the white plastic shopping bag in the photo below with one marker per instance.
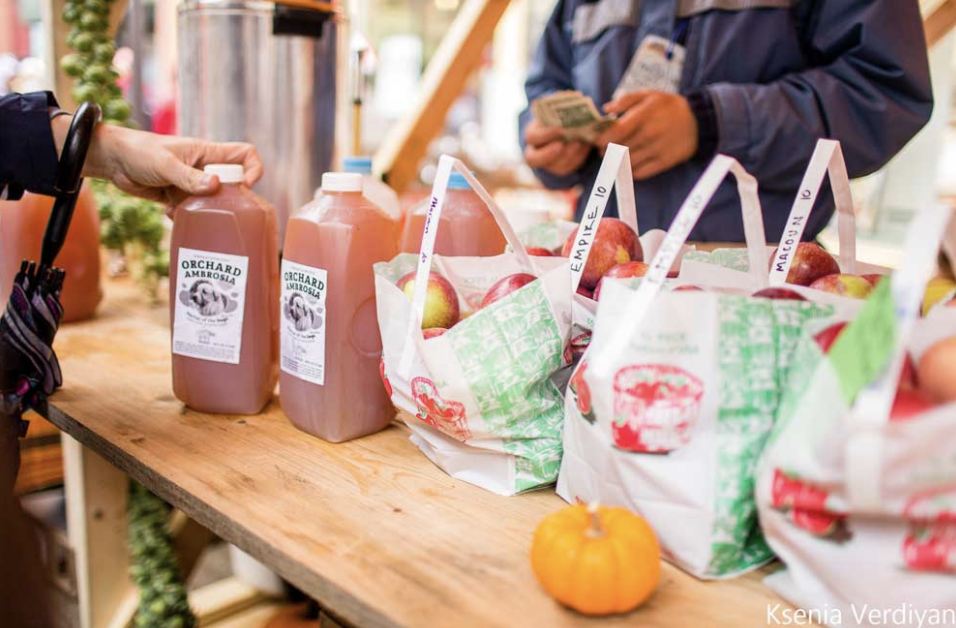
(614, 175)
(669, 408)
(479, 399)
(857, 486)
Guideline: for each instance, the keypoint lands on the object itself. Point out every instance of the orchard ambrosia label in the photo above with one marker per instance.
(210, 301)
(303, 321)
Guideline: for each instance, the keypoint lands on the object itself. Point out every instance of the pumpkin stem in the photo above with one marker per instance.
(596, 530)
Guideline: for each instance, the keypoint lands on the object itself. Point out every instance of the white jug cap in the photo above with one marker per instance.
(227, 173)
(341, 182)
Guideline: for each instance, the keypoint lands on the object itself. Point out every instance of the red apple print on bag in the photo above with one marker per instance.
(576, 347)
(655, 407)
(381, 371)
(582, 393)
(447, 416)
(806, 507)
(931, 547)
(816, 522)
(790, 492)
(930, 544)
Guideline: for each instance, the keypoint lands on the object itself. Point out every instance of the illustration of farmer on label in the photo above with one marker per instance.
(930, 544)
(655, 407)
(447, 416)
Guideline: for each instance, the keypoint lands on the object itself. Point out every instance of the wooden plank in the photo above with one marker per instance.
(41, 457)
(939, 22)
(458, 55)
(371, 529)
(225, 598)
(259, 616)
(96, 526)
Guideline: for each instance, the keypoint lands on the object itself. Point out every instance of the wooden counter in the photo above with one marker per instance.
(371, 529)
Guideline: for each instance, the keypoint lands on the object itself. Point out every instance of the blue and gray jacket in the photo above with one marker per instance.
(765, 79)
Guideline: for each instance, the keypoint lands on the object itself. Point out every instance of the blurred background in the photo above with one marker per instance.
(389, 44)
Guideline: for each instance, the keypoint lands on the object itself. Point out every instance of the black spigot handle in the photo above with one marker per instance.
(68, 180)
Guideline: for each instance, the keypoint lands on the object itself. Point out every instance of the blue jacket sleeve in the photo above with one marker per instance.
(550, 71)
(868, 87)
(27, 152)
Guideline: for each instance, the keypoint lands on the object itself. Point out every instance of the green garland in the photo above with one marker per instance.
(130, 226)
(163, 602)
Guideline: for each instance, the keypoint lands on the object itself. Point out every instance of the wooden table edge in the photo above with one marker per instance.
(332, 598)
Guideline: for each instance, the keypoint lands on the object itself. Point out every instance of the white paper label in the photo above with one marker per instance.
(303, 323)
(657, 64)
(211, 298)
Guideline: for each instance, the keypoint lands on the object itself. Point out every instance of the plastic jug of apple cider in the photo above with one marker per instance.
(223, 287)
(373, 188)
(329, 382)
(22, 224)
(466, 226)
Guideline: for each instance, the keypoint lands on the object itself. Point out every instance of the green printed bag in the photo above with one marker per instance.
(856, 489)
(479, 399)
(670, 407)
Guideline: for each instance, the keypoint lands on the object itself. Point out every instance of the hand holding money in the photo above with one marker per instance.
(547, 149)
(573, 113)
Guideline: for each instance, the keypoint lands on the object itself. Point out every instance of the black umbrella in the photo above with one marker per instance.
(29, 370)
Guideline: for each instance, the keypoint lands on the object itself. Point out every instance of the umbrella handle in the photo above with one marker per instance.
(68, 180)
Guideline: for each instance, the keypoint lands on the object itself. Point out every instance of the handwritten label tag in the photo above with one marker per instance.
(654, 66)
(827, 159)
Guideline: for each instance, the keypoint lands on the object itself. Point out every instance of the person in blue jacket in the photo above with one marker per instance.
(758, 80)
(158, 167)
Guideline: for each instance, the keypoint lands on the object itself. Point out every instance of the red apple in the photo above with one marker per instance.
(441, 300)
(828, 336)
(688, 288)
(622, 271)
(537, 250)
(910, 403)
(584, 292)
(779, 293)
(844, 285)
(433, 332)
(614, 243)
(873, 278)
(810, 262)
(504, 287)
(937, 371)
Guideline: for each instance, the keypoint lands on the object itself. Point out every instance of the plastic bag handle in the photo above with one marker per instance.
(615, 172)
(827, 159)
(688, 215)
(429, 233)
(871, 410)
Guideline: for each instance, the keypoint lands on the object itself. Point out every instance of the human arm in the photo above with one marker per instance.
(555, 162)
(868, 86)
(160, 168)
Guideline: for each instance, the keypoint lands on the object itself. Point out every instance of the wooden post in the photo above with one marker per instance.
(453, 63)
(96, 495)
(939, 22)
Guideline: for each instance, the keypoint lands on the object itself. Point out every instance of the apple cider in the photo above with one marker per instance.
(223, 287)
(330, 343)
(466, 227)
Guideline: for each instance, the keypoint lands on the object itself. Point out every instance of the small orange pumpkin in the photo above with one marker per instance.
(596, 560)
